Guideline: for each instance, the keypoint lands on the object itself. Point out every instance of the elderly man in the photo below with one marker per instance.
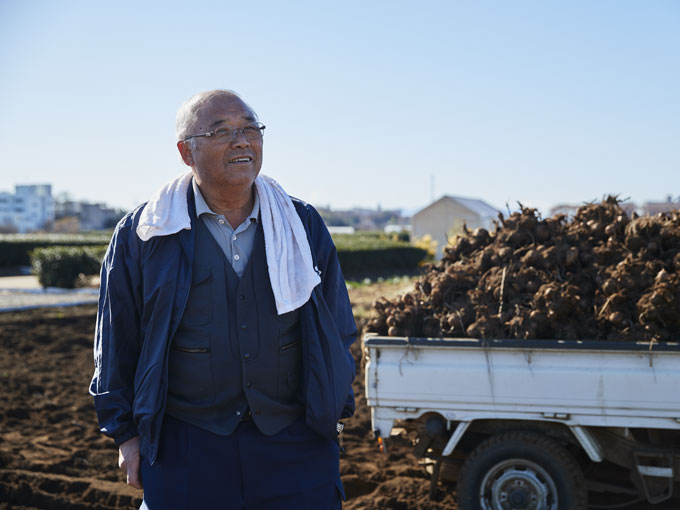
(222, 364)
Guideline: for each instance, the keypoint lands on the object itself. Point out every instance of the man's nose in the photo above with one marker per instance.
(239, 139)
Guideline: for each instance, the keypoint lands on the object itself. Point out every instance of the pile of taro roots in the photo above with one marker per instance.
(597, 276)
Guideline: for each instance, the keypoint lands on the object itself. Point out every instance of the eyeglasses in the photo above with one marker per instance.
(252, 132)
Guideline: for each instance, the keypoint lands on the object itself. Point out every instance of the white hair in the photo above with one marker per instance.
(187, 115)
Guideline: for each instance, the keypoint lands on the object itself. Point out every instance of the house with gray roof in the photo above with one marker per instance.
(445, 218)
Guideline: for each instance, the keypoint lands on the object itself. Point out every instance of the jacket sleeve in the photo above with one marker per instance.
(117, 334)
(334, 292)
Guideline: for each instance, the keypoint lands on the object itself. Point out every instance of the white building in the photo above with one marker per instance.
(445, 217)
(341, 230)
(28, 209)
(90, 216)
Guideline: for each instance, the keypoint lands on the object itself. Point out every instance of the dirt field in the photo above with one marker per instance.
(52, 455)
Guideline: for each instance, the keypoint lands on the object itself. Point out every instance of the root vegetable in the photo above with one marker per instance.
(599, 275)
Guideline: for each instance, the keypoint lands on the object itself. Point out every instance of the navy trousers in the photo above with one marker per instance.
(196, 469)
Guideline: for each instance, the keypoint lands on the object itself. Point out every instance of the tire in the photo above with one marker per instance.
(521, 470)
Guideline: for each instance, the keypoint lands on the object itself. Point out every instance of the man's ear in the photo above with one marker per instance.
(185, 151)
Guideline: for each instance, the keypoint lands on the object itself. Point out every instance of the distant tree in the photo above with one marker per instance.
(67, 225)
(48, 226)
(333, 219)
(8, 228)
(404, 236)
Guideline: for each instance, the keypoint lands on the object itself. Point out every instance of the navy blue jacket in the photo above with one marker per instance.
(144, 289)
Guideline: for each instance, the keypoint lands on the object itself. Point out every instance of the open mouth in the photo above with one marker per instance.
(244, 159)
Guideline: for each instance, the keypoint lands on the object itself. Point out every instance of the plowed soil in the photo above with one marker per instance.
(52, 455)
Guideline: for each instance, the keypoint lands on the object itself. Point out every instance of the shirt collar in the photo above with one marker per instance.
(202, 206)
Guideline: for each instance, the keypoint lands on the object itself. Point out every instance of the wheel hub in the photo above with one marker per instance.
(518, 484)
(518, 498)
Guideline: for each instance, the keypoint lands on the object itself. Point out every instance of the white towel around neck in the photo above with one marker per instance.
(289, 257)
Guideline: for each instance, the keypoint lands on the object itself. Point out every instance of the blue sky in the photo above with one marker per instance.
(365, 103)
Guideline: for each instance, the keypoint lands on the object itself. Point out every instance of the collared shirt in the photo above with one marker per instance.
(237, 244)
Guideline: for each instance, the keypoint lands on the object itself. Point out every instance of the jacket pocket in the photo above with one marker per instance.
(191, 350)
(290, 360)
(290, 345)
(190, 376)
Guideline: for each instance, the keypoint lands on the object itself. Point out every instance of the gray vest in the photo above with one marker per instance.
(232, 351)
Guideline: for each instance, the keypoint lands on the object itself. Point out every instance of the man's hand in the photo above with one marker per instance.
(128, 460)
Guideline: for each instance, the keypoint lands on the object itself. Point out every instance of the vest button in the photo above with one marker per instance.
(248, 385)
(244, 326)
(246, 356)
(257, 411)
(241, 297)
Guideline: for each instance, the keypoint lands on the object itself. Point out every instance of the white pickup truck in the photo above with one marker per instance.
(534, 424)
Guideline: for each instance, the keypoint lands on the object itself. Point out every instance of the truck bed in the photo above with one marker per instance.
(586, 383)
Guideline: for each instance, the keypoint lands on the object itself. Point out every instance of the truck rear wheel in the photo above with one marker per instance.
(521, 470)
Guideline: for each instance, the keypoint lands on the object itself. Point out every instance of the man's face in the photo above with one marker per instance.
(230, 163)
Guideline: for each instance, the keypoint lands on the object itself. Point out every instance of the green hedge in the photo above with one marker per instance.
(61, 266)
(363, 254)
(15, 249)
(370, 254)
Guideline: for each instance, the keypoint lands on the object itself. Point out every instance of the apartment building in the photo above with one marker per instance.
(29, 208)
